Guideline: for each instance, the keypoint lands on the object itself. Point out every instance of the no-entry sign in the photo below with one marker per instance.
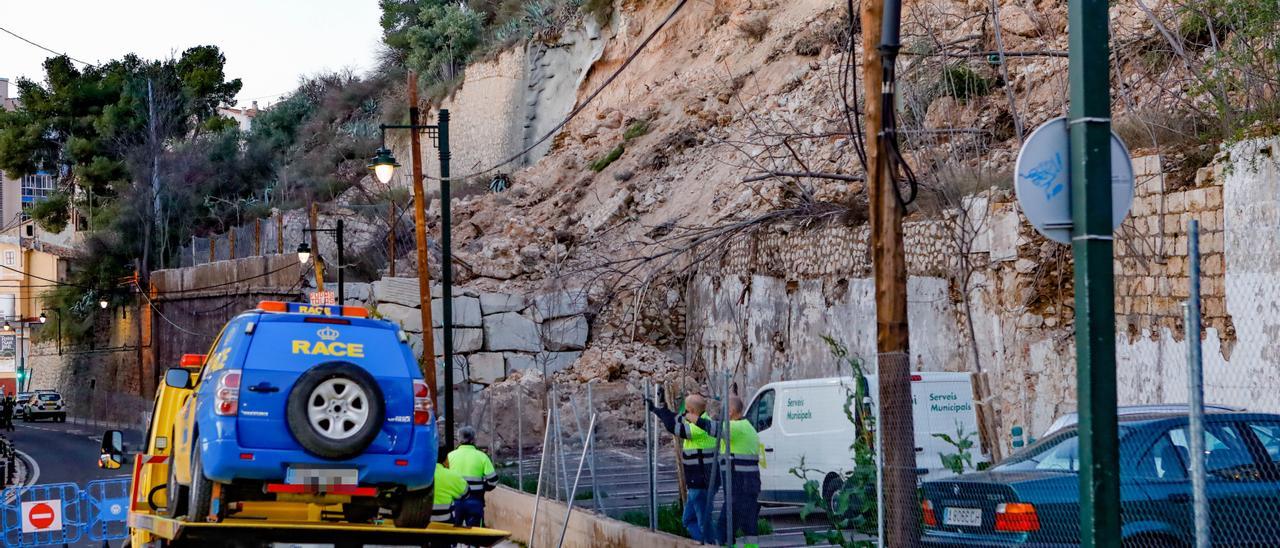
(39, 516)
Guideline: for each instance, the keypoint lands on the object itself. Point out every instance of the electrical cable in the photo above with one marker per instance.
(15, 35)
(578, 109)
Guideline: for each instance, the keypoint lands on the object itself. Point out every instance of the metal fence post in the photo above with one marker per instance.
(595, 480)
(519, 438)
(537, 492)
(1195, 391)
(727, 455)
(569, 512)
(648, 455)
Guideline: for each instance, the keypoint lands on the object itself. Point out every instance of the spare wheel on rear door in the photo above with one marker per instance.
(335, 410)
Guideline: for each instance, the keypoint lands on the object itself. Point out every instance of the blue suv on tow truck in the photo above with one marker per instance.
(313, 403)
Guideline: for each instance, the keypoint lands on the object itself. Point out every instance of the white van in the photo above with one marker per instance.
(806, 419)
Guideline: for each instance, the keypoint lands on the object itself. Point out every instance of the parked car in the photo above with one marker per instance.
(804, 422)
(20, 404)
(1070, 419)
(45, 404)
(301, 401)
(1032, 498)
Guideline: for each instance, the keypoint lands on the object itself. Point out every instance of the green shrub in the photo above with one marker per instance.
(670, 519)
(962, 82)
(613, 155)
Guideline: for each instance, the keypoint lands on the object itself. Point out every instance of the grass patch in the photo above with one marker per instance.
(530, 483)
(613, 155)
(638, 128)
(670, 519)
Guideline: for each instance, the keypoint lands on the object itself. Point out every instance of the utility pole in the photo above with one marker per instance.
(1091, 246)
(901, 515)
(446, 272)
(420, 231)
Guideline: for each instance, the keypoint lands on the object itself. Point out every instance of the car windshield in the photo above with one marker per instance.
(50, 397)
(1060, 452)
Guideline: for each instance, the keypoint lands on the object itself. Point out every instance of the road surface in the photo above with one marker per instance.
(64, 452)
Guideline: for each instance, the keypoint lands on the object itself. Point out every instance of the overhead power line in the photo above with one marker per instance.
(578, 110)
(16, 35)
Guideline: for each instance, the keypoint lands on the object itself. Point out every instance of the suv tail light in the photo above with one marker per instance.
(226, 399)
(422, 409)
(930, 519)
(1017, 517)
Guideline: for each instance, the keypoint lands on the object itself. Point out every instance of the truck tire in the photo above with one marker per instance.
(201, 499)
(415, 509)
(335, 410)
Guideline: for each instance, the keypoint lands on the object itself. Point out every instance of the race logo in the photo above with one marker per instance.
(328, 345)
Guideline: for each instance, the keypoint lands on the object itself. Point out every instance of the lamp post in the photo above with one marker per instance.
(304, 255)
(383, 165)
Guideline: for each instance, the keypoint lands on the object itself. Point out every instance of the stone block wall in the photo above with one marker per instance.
(494, 334)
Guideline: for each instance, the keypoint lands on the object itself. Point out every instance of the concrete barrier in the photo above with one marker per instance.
(512, 511)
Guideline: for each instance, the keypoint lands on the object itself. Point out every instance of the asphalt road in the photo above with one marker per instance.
(65, 452)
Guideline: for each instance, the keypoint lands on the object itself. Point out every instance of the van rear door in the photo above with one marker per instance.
(284, 346)
(943, 405)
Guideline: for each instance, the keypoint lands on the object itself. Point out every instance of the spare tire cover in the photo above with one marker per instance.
(335, 410)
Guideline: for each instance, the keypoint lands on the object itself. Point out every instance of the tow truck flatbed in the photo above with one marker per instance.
(263, 532)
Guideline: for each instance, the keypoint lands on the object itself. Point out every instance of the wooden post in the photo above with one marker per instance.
(280, 233)
(257, 237)
(231, 237)
(901, 502)
(393, 223)
(315, 248)
(420, 229)
(213, 244)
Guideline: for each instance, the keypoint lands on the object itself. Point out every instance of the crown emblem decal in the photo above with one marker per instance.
(328, 333)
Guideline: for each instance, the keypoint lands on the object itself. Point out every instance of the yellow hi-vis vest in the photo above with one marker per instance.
(744, 447)
(449, 487)
(697, 452)
(475, 467)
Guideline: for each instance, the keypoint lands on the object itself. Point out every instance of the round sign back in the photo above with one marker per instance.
(1042, 180)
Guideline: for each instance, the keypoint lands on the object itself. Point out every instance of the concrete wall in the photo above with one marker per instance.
(512, 511)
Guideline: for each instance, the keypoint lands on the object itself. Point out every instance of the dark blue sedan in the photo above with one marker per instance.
(1033, 498)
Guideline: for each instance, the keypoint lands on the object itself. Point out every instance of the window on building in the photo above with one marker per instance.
(35, 188)
(10, 258)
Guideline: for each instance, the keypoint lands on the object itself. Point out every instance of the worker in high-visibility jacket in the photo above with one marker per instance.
(477, 469)
(449, 488)
(741, 462)
(697, 453)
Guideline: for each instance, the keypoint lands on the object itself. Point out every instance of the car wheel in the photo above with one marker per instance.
(175, 495)
(335, 410)
(830, 488)
(201, 493)
(415, 509)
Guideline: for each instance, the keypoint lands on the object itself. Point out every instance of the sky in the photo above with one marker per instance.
(268, 44)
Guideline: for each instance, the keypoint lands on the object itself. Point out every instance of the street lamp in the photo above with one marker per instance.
(102, 303)
(8, 327)
(43, 318)
(383, 163)
(304, 255)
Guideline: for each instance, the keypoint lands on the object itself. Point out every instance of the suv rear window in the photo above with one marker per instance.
(49, 397)
(295, 346)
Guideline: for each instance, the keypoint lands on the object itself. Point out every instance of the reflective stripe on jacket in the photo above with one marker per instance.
(475, 467)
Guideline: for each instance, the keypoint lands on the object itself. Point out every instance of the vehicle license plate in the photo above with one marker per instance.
(967, 517)
(321, 477)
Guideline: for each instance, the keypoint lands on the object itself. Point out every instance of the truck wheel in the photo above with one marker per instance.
(415, 509)
(201, 499)
(335, 410)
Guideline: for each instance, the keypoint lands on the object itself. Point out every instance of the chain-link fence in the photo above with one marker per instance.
(374, 236)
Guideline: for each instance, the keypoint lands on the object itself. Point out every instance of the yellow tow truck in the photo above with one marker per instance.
(289, 519)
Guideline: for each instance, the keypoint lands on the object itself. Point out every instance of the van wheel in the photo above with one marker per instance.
(335, 410)
(415, 509)
(831, 487)
(201, 499)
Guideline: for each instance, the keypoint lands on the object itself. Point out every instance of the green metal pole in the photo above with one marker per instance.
(1090, 120)
(446, 275)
